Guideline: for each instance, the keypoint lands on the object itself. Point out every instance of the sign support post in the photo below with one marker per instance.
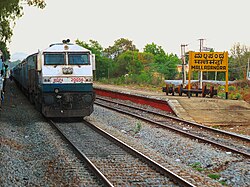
(226, 59)
(189, 73)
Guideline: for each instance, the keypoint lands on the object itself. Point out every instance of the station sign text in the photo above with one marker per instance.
(208, 61)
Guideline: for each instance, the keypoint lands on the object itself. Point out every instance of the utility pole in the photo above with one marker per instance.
(200, 74)
(183, 58)
(248, 70)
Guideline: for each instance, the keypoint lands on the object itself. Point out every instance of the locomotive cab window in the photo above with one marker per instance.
(79, 58)
(54, 58)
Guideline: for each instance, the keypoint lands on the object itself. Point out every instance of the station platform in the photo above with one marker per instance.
(232, 115)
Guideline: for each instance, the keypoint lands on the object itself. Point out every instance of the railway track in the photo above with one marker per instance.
(100, 179)
(222, 139)
(114, 162)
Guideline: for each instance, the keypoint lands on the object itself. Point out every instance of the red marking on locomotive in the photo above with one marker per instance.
(57, 80)
(77, 79)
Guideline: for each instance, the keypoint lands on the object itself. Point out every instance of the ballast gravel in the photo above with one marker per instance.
(31, 152)
(224, 167)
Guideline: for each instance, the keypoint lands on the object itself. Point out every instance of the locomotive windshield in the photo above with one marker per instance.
(54, 58)
(78, 58)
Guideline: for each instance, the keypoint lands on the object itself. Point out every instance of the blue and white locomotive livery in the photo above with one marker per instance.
(59, 80)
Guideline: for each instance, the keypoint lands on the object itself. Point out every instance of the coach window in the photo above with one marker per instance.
(54, 58)
(79, 58)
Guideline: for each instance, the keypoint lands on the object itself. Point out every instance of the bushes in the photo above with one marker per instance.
(151, 80)
(144, 78)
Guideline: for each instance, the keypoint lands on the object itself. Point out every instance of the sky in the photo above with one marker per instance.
(167, 23)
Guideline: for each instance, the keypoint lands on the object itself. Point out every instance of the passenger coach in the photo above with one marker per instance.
(59, 80)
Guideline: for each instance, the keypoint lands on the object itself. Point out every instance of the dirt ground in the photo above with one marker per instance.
(230, 115)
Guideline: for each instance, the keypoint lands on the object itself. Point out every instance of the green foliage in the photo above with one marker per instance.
(154, 49)
(231, 88)
(133, 67)
(223, 182)
(214, 176)
(128, 63)
(116, 81)
(142, 78)
(235, 96)
(146, 58)
(120, 46)
(216, 127)
(197, 166)
(167, 66)
(10, 10)
(122, 64)
(238, 61)
(4, 49)
(93, 46)
(221, 88)
(221, 95)
(103, 63)
(137, 128)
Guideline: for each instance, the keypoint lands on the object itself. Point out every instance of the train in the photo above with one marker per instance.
(58, 80)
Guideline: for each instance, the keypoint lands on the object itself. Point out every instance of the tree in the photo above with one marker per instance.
(10, 10)
(165, 64)
(93, 46)
(154, 49)
(168, 66)
(238, 61)
(4, 50)
(103, 64)
(121, 45)
(129, 63)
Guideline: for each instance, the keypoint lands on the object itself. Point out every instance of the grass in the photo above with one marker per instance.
(197, 166)
(137, 128)
(214, 176)
(238, 91)
(223, 183)
(216, 126)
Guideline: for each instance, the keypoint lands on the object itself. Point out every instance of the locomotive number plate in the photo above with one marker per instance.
(68, 80)
(77, 79)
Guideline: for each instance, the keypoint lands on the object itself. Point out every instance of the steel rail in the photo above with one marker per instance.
(247, 155)
(142, 157)
(82, 156)
(242, 138)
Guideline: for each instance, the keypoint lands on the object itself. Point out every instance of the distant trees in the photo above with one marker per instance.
(121, 45)
(103, 63)
(124, 62)
(238, 61)
(4, 49)
(10, 10)
(165, 64)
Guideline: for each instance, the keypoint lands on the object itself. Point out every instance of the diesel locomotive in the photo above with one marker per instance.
(59, 80)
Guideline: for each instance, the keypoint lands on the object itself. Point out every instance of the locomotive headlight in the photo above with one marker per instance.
(56, 90)
(46, 80)
(88, 79)
(58, 96)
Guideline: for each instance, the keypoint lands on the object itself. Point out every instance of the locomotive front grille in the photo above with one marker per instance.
(68, 101)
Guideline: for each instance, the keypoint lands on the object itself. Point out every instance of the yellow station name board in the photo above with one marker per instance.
(208, 61)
